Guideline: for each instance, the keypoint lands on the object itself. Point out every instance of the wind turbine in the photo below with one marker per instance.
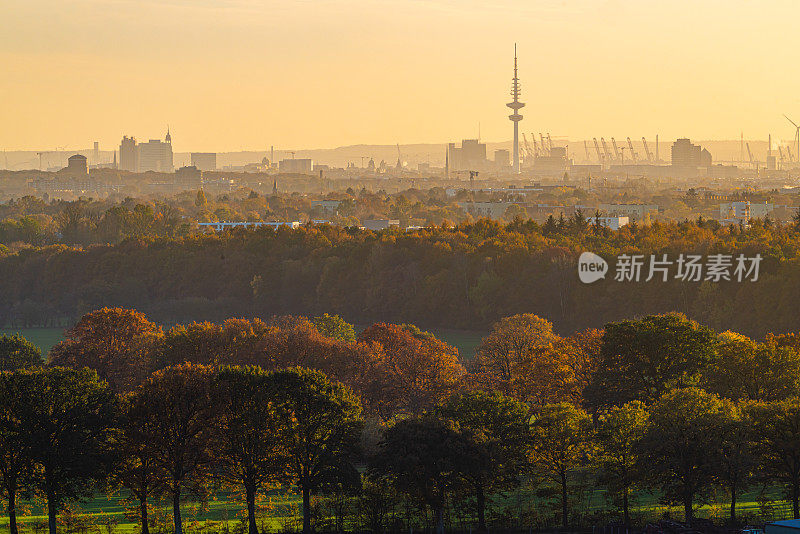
(796, 134)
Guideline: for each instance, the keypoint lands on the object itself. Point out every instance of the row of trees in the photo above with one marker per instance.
(468, 276)
(660, 403)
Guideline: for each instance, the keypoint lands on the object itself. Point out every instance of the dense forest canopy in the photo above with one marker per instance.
(467, 276)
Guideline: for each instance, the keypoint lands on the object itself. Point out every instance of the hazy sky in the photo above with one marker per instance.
(233, 74)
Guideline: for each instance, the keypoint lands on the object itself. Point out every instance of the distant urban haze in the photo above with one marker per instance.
(228, 75)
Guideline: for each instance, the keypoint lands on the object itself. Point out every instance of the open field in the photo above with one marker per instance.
(280, 512)
(44, 338)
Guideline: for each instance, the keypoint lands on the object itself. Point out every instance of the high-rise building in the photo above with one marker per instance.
(502, 158)
(156, 155)
(470, 156)
(189, 178)
(686, 154)
(128, 154)
(205, 161)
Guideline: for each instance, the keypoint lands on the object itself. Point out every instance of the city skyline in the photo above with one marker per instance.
(237, 74)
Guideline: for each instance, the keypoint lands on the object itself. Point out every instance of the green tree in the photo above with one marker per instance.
(426, 458)
(743, 369)
(496, 425)
(737, 456)
(177, 402)
(68, 417)
(777, 440)
(16, 352)
(15, 463)
(619, 431)
(320, 429)
(248, 450)
(679, 453)
(561, 438)
(642, 359)
(335, 327)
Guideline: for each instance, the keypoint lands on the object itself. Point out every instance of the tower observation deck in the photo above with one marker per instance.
(515, 117)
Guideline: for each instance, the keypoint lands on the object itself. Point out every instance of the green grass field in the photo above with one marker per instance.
(44, 338)
(280, 511)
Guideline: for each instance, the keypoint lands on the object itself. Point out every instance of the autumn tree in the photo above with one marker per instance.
(619, 431)
(248, 448)
(496, 426)
(178, 404)
(68, 419)
(521, 357)
(642, 359)
(560, 445)
(117, 343)
(16, 352)
(135, 466)
(777, 441)
(680, 451)
(320, 428)
(407, 372)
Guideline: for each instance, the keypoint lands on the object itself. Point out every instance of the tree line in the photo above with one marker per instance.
(466, 276)
(393, 418)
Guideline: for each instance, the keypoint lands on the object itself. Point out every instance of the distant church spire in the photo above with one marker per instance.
(168, 139)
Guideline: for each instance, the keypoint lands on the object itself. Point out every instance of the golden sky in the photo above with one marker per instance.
(246, 74)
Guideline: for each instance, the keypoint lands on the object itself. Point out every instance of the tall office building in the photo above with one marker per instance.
(471, 156)
(128, 154)
(686, 154)
(156, 155)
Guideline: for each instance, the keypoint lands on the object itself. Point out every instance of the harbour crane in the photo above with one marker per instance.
(647, 150)
(586, 149)
(634, 155)
(796, 135)
(605, 149)
(597, 148)
(544, 145)
(750, 156)
(549, 143)
(616, 150)
(780, 153)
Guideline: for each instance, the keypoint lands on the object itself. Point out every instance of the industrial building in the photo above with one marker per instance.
(77, 166)
(296, 166)
(613, 223)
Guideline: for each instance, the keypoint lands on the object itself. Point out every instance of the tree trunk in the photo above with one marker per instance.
(52, 509)
(733, 504)
(440, 519)
(626, 517)
(176, 509)
(796, 500)
(12, 511)
(480, 501)
(306, 510)
(143, 514)
(251, 510)
(565, 520)
(688, 513)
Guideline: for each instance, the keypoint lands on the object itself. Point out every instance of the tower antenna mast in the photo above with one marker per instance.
(515, 117)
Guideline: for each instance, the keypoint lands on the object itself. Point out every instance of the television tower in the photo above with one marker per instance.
(516, 105)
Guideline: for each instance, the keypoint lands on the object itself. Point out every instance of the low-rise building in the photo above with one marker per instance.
(380, 224)
(614, 223)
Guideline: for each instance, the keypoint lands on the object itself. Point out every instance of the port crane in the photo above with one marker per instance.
(647, 150)
(634, 155)
(597, 148)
